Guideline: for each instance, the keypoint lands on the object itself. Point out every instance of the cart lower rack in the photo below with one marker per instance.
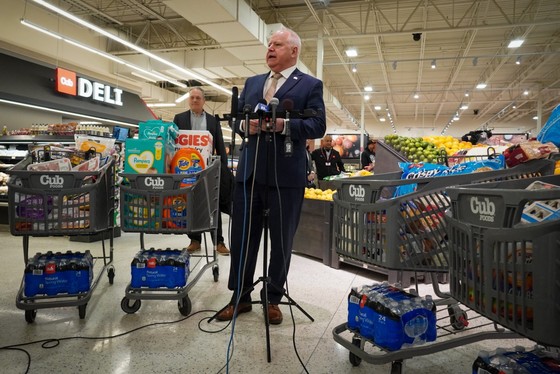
(166, 204)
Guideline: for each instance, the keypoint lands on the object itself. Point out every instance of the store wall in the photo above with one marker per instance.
(14, 117)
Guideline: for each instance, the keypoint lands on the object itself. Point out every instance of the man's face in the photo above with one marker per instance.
(280, 55)
(196, 101)
(371, 147)
(327, 143)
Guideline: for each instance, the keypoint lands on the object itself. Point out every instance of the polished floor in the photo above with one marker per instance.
(158, 339)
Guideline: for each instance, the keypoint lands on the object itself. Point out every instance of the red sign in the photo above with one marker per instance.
(66, 81)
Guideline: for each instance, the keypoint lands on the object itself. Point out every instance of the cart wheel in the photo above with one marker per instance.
(30, 315)
(355, 360)
(82, 310)
(185, 306)
(111, 274)
(458, 317)
(216, 272)
(396, 367)
(128, 308)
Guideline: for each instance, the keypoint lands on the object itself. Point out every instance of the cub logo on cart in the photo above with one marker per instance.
(54, 181)
(486, 209)
(50, 268)
(358, 193)
(155, 183)
(152, 262)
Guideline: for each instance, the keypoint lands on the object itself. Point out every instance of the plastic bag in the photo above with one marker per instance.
(551, 130)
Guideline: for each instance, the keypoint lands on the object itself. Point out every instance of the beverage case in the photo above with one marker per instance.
(160, 268)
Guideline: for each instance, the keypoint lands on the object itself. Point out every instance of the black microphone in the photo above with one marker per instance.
(261, 108)
(234, 105)
(247, 113)
(273, 104)
(288, 105)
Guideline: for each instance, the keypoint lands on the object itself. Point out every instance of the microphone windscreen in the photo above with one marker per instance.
(247, 108)
(274, 102)
(261, 106)
(288, 104)
(234, 101)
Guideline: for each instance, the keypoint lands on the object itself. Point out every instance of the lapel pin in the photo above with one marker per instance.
(295, 78)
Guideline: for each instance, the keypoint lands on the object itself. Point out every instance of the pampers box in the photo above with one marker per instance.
(193, 153)
(158, 129)
(144, 156)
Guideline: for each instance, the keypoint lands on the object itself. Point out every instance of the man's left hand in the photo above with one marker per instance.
(279, 127)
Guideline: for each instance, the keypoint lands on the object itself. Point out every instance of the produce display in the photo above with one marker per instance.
(427, 148)
(318, 194)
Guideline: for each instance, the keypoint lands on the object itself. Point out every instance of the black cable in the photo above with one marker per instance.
(55, 342)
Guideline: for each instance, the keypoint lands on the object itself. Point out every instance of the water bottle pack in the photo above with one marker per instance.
(390, 316)
(156, 268)
(57, 273)
(516, 361)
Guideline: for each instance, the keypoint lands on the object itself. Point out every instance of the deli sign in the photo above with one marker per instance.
(68, 83)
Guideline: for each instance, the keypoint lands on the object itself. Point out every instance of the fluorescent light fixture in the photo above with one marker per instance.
(104, 120)
(351, 52)
(535, 117)
(518, 60)
(103, 54)
(481, 86)
(90, 123)
(515, 43)
(467, 93)
(130, 45)
(366, 97)
(354, 68)
(183, 97)
(368, 88)
(456, 118)
(377, 107)
(145, 77)
(464, 106)
(434, 64)
(382, 119)
(526, 92)
(161, 105)
(416, 96)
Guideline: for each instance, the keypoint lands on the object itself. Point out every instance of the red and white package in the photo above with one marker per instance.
(62, 164)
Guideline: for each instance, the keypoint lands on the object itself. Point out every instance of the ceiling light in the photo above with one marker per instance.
(518, 60)
(464, 106)
(475, 61)
(351, 52)
(433, 64)
(467, 93)
(183, 97)
(368, 88)
(535, 117)
(394, 65)
(481, 86)
(354, 68)
(382, 119)
(144, 73)
(416, 96)
(377, 107)
(456, 118)
(526, 92)
(161, 105)
(131, 45)
(366, 97)
(515, 43)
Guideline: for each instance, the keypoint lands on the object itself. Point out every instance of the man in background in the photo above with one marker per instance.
(197, 119)
(327, 159)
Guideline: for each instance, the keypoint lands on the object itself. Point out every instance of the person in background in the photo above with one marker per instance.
(311, 174)
(327, 160)
(367, 158)
(197, 119)
(267, 179)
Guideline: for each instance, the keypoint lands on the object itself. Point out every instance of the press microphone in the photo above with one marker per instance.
(247, 113)
(288, 105)
(234, 105)
(273, 104)
(261, 108)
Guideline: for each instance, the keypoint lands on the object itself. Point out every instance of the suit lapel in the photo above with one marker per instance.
(290, 83)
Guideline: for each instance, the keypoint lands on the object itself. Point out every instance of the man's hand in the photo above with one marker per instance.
(254, 126)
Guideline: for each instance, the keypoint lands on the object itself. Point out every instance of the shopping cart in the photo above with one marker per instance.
(409, 233)
(504, 242)
(62, 203)
(159, 204)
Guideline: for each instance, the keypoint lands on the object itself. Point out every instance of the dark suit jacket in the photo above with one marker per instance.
(183, 121)
(306, 92)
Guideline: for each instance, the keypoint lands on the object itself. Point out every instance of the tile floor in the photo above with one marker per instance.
(158, 339)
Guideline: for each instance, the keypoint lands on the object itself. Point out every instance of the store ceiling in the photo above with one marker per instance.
(224, 40)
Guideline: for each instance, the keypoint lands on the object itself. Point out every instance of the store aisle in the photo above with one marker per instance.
(114, 342)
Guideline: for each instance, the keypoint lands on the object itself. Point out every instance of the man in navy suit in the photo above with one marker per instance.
(266, 175)
(197, 119)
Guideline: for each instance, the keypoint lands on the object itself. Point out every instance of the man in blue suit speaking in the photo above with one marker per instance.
(271, 174)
